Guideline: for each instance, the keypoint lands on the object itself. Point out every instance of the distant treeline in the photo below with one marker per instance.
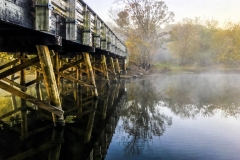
(193, 42)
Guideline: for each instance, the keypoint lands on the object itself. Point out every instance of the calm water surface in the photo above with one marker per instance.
(184, 116)
(180, 116)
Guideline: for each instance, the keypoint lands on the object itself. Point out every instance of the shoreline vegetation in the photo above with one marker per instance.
(163, 68)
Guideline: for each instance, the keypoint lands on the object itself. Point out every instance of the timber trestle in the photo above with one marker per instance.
(83, 70)
(58, 40)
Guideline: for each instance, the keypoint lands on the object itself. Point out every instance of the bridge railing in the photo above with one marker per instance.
(71, 20)
(81, 23)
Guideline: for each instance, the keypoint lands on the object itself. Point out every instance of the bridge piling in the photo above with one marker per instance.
(50, 82)
(90, 73)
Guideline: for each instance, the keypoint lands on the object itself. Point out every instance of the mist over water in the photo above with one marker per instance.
(199, 116)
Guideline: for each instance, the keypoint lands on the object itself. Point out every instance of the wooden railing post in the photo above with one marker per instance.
(50, 82)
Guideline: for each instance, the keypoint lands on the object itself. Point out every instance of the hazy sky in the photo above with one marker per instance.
(221, 10)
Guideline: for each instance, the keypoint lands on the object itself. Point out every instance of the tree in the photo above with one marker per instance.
(138, 22)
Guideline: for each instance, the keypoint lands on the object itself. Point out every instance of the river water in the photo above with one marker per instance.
(169, 116)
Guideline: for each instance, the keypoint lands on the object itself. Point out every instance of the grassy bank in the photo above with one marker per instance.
(168, 67)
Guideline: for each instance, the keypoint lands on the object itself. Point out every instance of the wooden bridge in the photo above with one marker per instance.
(58, 39)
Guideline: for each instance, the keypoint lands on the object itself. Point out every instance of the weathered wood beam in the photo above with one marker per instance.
(64, 93)
(113, 68)
(98, 69)
(33, 81)
(9, 64)
(50, 82)
(70, 65)
(90, 72)
(74, 80)
(18, 67)
(31, 99)
(104, 67)
(23, 88)
(12, 112)
(117, 66)
(56, 67)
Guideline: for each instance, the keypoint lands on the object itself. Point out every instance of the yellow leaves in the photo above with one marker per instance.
(192, 42)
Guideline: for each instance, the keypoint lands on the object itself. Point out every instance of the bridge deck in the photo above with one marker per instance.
(65, 26)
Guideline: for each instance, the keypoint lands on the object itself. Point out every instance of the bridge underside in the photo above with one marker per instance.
(57, 40)
(53, 59)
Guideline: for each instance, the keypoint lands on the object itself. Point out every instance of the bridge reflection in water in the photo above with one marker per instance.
(90, 123)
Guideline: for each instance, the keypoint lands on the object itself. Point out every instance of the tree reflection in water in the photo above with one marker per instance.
(141, 118)
(188, 96)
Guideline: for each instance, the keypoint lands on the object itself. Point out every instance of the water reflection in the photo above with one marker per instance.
(190, 95)
(27, 131)
(139, 115)
(141, 118)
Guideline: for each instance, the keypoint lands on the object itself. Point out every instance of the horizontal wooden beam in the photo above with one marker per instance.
(33, 81)
(23, 88)
(66, 66)
(12, 112)
(73, 79)
(31, 99)
(18, 67)
(9, 64)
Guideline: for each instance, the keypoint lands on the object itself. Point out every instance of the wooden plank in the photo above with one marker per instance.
(64, 93)
(104, 67)
(74, 80)
(113, 68)
(18, 67)
(12, 112)
(86, 27)
(97, 33)
(70, 65)
(31, 99)
(95, 68)
(71, 24)
(33, 81)
(42, 14)
(23, 88)
(9, 64)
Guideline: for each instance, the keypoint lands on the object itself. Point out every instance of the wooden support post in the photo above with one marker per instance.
(50, 82)
(87, 27)
(97, 32)
(24, 122)
(31, 99)
(13, 98)
(56, 67)
(79, 102)
(90, 72)
(104, 67)
(113, 69)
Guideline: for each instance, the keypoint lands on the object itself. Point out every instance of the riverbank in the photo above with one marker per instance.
(162, 68)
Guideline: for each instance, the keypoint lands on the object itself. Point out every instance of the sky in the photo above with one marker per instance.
(220, 10)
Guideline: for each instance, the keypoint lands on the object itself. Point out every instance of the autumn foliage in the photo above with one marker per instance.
(204, 43)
